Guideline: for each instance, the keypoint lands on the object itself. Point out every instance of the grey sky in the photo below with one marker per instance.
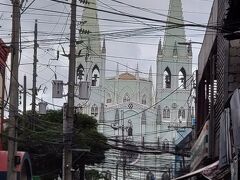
(132, 47)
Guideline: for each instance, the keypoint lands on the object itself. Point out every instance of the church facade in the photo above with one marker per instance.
(141, 125)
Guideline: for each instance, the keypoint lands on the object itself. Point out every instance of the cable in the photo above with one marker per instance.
(143, 18)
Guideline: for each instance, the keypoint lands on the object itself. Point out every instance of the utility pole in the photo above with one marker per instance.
(34, 89)
(13, 107)
(123, 141)
(116, 173)
(24, 98)
(24, 94)
(124, 154)
(67, 152)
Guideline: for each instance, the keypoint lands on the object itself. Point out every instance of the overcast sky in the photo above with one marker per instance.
(55, 25)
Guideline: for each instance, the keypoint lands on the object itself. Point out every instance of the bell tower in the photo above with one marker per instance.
(91, 57)
(174, 67)
(90, 62)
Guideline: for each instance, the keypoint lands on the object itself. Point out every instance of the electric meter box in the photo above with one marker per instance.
(84, 90)
(57, 89)
(42, 107)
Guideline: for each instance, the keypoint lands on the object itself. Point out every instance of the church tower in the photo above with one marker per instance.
(174, 68)
(90, 61)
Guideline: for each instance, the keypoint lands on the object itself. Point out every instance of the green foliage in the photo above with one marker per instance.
(44, 142)
(92, 175)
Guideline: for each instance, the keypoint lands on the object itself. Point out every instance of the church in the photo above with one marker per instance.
(141, 125)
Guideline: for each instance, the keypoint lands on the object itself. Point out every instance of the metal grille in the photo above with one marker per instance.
(219, 105)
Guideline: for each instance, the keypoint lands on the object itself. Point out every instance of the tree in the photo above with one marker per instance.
(45, 143)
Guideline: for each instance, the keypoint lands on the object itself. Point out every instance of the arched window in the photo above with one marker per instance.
(163, 146)
(166, 145)
(167, 78)
(109, 99)
(80, 72)
(165, 176)
(95, 76)
(144, 99)
(126, 98)
(150, 176)
(94, 110)
(143, 118)
(181, 113)
(166, 112)
(182, 78)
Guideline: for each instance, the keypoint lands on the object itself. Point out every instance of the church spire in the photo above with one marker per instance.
(150, 74)
(189, 49)
(117, 72)
(174, 33)
(89, 27)
(137, 72)
(104, 46)
(160, 48)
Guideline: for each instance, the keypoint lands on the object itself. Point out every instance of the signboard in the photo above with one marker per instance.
(200, 148)
(4, 50)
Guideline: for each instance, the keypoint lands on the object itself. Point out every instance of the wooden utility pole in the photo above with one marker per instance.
(13, 106)
(67, 152)
(34, 89)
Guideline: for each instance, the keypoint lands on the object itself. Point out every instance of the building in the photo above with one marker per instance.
(4, 51)
(142, 126)
(215, 152)
(22, 166)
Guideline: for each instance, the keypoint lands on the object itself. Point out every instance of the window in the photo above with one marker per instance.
(144, 99)
(94, 110)
(143, 118)
(95, 76)
(167, 78)
(181, 113)
(182, 79)
(109, 99)
(166, 112)
(126, 98)
(165, 145)
(80, 72)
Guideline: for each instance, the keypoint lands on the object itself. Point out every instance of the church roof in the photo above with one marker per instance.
(127, 76)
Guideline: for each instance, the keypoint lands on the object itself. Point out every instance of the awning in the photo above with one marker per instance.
(205, 170)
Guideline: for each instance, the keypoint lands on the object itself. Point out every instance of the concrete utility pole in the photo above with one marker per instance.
(123, 141)
(116, 173)
(24, 98)
(34, 89)
(67, 152)
(24, 94)
(13, 107)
